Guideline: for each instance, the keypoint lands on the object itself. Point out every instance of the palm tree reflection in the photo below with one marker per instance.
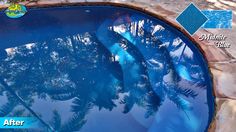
(81, 68)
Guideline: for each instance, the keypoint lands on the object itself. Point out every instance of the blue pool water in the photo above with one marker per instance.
(218, 19)
(103, 69)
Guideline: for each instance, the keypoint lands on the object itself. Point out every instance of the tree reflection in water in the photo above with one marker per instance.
(126, 65)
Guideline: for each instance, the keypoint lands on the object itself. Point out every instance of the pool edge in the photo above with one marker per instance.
(163, 17)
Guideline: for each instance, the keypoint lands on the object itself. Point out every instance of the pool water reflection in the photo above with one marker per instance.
(122, 70)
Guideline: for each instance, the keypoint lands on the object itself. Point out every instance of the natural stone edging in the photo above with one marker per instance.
(226, 116)
(167, 16)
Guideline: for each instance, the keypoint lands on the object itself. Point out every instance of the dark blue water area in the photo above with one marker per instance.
(102, 68)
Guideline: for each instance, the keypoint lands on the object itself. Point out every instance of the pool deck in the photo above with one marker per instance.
(221, 61)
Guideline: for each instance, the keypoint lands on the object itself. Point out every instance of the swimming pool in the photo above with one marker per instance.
(102, 68)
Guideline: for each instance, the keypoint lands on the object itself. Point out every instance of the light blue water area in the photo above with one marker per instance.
(102, 68)
(218, 19)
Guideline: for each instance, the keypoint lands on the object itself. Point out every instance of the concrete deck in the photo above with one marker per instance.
(222, 62)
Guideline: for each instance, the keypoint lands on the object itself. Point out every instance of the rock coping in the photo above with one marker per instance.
(220, 62)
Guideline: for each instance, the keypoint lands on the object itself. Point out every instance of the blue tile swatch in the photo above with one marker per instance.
(191, 19)
(218, 19)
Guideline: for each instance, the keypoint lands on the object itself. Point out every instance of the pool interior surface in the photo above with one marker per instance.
(102, 68)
